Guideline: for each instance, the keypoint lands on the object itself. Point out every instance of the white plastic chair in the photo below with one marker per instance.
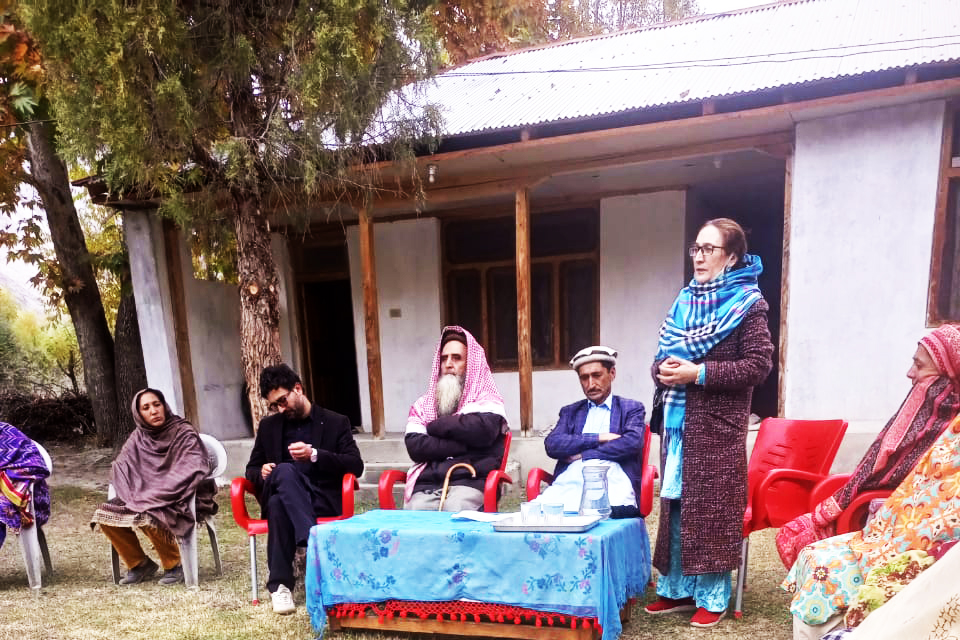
(33, 544)
(188, 544)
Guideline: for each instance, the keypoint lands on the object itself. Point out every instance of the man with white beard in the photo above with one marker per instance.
(461, 418)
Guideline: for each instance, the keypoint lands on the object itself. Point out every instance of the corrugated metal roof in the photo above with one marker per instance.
(776, 45)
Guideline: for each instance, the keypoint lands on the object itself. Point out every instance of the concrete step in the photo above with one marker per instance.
(525, 454)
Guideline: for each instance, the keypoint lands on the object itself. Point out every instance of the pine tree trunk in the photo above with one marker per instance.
(80, 291)
(131, 371)
(259, 298)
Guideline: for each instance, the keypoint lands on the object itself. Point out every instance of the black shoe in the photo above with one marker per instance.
(172, 576)
(143, 571)
(300, 563)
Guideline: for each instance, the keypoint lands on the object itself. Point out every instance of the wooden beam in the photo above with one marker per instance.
(511, 179)
(709, 107)
(911, 76)
(785, 287)
(939, 240)
(524, 347)
(371, 321)
(178, 302)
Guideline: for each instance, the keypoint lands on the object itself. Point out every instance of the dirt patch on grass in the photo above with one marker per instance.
(80, 464)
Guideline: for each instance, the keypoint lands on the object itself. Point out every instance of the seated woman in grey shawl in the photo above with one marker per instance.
(160, 466)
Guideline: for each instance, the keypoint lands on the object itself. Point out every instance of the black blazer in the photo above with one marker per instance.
(332, 436)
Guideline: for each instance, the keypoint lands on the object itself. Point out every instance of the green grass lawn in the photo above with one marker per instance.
(81, 601)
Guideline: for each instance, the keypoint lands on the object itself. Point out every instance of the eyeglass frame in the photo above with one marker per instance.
(281, 402)
(695, 248)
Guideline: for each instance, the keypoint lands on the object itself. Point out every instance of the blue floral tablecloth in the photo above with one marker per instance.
(427, 556)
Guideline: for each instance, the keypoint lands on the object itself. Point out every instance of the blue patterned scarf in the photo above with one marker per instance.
(701, 316)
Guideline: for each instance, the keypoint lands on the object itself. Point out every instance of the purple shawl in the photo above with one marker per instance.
(21, 466)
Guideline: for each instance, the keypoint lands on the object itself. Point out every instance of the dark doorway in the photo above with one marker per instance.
(328, 320)
(756, 202)
(322, 271)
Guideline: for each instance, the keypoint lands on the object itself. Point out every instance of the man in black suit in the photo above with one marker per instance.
(297, 465)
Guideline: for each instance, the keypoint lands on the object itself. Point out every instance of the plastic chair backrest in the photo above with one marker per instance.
(799, 445)
(802, 445)
(216, 454)
(645, 456)
(506, 451)
(46, 456)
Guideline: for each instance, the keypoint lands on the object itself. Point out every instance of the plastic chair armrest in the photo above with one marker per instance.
(534, 477)
(827, 487)
(647, 477)
(238, 488)
(349, 486)
(491, 489)
(781, 496)
(850, 519)
(385, 487)
(793, 476)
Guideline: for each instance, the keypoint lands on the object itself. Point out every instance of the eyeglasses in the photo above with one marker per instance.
(280, 403)
(707, 249)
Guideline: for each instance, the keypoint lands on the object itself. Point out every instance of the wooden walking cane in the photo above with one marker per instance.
(446, 480)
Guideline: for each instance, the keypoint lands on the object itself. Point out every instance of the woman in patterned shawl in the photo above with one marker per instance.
(932, 403)
(856, 572)
(21, 466)
(160, 466)
(714, 349)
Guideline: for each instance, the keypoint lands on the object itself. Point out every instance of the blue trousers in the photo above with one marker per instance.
(708, 590)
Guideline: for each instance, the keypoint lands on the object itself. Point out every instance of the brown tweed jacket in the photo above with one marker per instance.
(714, 494)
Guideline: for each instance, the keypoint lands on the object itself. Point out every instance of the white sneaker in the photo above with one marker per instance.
(282, 601)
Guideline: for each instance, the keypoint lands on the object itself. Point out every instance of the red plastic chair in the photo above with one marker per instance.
(255, 527)
(648, 474)
(790, 457)
(854, 517)
(491, 488)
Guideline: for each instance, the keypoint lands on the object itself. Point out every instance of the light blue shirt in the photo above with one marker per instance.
(598, 416)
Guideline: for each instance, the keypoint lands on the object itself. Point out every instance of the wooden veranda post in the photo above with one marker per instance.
(171, 249)
(524, 349)
(371, 320)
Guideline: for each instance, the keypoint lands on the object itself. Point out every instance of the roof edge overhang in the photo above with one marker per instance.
(506, 167)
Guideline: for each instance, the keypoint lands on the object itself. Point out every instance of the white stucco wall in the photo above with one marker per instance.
(863, 199)
(143, 232)
(289, 325)
(408, 280)
(641, 271)
(213, 324)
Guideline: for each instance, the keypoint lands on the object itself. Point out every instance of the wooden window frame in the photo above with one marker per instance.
(488, 340)
(948, 175)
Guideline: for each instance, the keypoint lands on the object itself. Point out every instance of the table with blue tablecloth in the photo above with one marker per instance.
(428, 556)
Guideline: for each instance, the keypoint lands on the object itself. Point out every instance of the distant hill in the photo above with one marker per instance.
(15, 279)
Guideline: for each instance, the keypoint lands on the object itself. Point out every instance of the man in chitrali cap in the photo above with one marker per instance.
(602, 429)
(461, 418)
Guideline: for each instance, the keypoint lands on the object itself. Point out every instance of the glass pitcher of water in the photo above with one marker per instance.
(595, 500)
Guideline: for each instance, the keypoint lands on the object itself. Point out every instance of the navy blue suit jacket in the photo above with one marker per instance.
(626, 419)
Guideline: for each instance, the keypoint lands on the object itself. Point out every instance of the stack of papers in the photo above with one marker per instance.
(480, 516)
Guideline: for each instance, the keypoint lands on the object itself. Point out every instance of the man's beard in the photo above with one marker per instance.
(449, 389)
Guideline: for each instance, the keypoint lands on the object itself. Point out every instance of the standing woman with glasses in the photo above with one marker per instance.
(714, 349)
